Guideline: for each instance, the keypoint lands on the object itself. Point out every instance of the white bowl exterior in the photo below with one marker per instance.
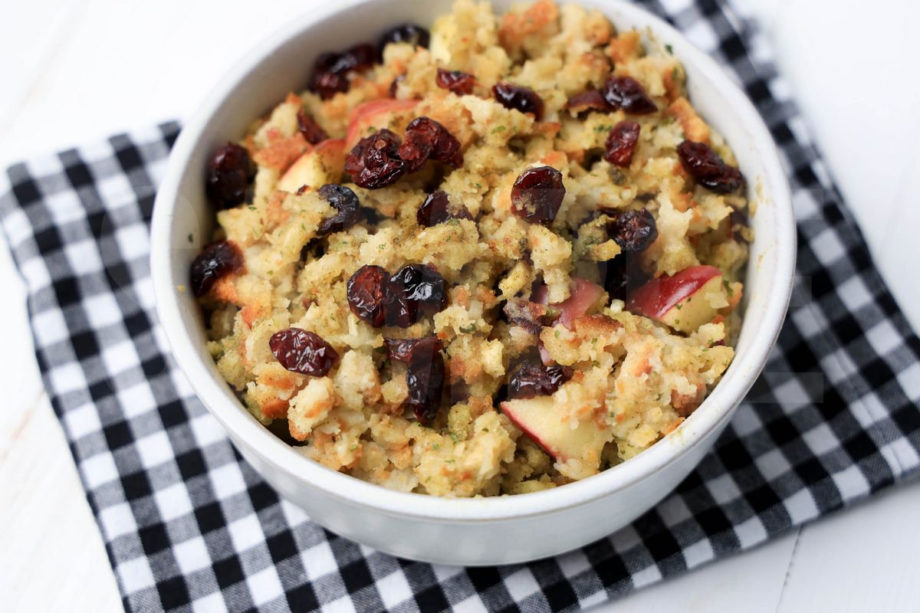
(468, 531)
(479, 543)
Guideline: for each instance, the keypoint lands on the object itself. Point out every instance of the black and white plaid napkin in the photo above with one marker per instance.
(188, 525)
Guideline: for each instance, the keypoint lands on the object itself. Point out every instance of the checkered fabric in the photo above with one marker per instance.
(188, 525)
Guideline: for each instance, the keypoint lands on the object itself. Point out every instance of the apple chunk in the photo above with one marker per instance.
(683, 301)
(541, 419)
(323, 164)
(584, 296)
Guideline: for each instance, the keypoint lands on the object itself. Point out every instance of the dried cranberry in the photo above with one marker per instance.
(633, 231)
(532, 378)
(425, 380)
(329, 75)
(397, 310)
(427, 139)
(361, 57)
(358, 57)
(537, 194)
(345, 202)
(216, 261)
(374, 162)
(402, 349)
(328, 62)
(460, 83)
(422, 287)
(331, 69)
(414, 290)
(519, 97)
(591, 100)
(303, 351)
(312, 131)
(621, 143)
(628, 94)
(229, 173)
(366, 293)
(622, 275)
(411, 33)
(328, 84)
(709, 170)
(436, 209)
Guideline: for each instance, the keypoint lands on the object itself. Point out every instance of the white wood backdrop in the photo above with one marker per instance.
(75, 71)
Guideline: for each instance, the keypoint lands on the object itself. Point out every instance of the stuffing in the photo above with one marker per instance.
(491, 265)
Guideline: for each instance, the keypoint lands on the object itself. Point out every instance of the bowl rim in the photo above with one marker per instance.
(712, 414)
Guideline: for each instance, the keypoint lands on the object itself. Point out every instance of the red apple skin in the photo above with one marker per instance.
(332, 145)
(366, 113)
(658, 296)
(526, 430)
(584, 295)
(540, 419)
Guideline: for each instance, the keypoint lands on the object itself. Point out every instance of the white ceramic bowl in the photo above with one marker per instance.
(460, 531)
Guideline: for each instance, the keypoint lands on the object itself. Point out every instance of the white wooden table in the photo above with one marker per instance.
(73, 72)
